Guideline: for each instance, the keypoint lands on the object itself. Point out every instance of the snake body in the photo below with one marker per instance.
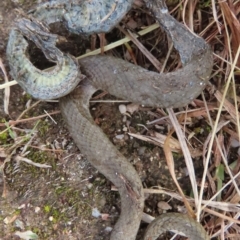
(121, 79)
(83, 16)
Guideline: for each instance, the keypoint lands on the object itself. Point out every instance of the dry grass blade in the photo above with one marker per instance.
(159, 139)
(170, 163)
(7, 89)
(29, 108)
(146, 53)
(233, 22)
(40, 165)
(13, 123)
(215, 15)
(227, 106)
(186, 153)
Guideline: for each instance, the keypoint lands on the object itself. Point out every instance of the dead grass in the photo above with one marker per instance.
(216, 206)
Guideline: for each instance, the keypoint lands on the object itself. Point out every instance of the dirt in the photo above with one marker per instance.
(57, 202)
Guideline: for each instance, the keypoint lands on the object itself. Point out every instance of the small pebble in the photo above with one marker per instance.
(120, 136)
(122, 108)
(37, 209)
(108, 229)
(89, 186)
(96, 213)
(234, 143)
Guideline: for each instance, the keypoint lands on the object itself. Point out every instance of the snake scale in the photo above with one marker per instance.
(119, 78)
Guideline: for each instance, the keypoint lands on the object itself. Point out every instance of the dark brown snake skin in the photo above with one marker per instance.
(135, 84)
(151, 89)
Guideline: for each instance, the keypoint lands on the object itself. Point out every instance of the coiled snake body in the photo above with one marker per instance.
(119, 78)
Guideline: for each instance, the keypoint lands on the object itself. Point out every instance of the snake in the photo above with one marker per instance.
(74, 82)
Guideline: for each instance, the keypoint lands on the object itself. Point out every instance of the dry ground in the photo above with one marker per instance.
(49, 188)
